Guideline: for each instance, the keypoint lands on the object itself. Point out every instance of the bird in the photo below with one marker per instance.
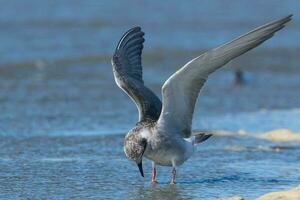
(163, 133)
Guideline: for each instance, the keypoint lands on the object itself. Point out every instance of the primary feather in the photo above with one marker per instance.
(127, 68)
(181, 90)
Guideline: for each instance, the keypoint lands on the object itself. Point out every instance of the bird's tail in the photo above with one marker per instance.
(201, 137)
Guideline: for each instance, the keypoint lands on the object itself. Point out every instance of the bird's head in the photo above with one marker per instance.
(134, 148)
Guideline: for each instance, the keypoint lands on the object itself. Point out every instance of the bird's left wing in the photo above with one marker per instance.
(181, 90)
(127, 70)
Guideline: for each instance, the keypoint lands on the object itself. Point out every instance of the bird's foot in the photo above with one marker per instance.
(173, 176)
(172, 183)
(153, 182)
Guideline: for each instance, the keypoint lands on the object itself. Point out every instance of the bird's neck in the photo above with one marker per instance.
(146, 133)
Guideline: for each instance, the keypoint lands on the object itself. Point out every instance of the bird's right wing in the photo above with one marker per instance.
(181, 90)
(127, 68)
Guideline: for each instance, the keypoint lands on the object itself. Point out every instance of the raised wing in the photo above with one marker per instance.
(127, 70)
(181, 90)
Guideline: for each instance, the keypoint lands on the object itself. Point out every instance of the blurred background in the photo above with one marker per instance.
(56, 76)
(56, 80)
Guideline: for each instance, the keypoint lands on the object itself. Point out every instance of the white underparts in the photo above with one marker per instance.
(145, 133)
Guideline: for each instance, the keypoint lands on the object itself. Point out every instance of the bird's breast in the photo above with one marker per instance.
(166, 151)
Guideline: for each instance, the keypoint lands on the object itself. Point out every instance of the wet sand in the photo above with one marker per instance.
(290, 194)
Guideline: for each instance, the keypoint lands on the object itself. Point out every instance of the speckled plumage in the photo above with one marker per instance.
(160, 145)
(163, 133)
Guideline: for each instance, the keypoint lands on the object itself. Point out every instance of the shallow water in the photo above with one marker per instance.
(95, 167)
(63, 118)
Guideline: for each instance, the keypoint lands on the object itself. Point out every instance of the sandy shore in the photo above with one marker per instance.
(291, 194)
(281, 135)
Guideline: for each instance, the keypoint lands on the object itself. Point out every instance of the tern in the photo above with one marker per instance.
(163, 133)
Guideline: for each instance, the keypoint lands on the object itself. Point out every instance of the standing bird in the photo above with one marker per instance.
(163, 133)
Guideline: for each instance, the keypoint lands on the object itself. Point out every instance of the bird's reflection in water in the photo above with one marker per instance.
(159, 192)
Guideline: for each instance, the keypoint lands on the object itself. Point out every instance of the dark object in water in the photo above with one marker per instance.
(239, 77)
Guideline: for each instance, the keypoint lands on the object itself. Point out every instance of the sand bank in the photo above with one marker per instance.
(281, 135)
(291, 194)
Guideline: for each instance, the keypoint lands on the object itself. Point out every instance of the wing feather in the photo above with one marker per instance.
(128, 73)
(181, 90)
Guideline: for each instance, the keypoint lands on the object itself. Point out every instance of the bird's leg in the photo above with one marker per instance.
(173, 176)
(153, 180)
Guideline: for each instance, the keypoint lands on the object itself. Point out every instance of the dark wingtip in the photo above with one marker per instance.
(136, 28)
(201, 137)
(288, 18)
(133, 29)
(129, 32)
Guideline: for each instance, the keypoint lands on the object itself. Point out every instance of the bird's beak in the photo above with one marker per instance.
(140, 163)
(140, 166)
